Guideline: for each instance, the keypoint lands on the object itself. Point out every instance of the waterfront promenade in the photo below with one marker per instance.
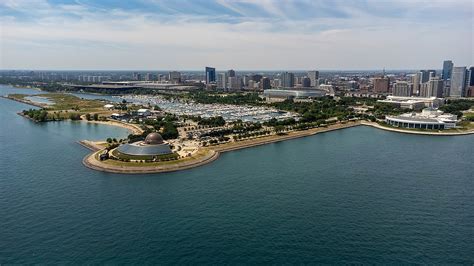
(204, 156)
(209, 154)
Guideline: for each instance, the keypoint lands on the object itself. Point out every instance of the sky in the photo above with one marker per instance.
(237, 34)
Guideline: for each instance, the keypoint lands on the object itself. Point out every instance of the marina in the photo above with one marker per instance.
(229, 112)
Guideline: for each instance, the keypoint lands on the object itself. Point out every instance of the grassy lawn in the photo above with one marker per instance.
(66, 104)
(70, 102)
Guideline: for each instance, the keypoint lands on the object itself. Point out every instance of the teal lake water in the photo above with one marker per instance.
(359, 195)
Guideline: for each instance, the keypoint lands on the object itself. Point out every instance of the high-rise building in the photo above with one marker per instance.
(234, 83)
(210, 75)
(251, 84)
(470, 77)
(424, 76)
(148, 76)
(432, 88)
(287, 79)
(431, 74)
(137, 76)
(402, 88)
(222, 81)
(256, 77)
(245, 80)
(447, 69)
(306, 82)
(174, 76)
(416, 83)
(458, 82)
(381, 84)
(265, 83)
(231, 73)
(313, 75)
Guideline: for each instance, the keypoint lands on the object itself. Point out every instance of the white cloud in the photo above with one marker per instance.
(76, 37)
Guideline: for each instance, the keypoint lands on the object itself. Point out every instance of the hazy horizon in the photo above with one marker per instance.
(261, 35)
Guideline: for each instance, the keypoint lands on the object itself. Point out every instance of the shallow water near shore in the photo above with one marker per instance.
(359, 195)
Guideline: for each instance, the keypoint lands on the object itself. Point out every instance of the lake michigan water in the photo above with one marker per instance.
(358, 195)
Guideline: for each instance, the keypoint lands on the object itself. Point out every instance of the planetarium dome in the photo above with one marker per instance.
(151, 146)
(154, 139)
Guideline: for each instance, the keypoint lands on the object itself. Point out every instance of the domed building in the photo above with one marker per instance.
(153, 145)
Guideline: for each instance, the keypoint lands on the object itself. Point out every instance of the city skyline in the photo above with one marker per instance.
(241, 34)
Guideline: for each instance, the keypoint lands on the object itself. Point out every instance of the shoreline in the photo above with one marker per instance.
(131, 127)
(39, 105)
(214, 151)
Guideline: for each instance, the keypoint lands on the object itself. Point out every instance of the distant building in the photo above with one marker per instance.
(447, 69)
(381, 84)
(148, 76)
(256, 77)
(402, 88)
(470, 92)
(222, 81)
(234, 83)
(231, 73)
(428, 119)
(174, 76)
(265, 83)
(416, 83)
(415, 103)
(425, 75)
(245, 80)
(287, 80)
(210, 75)
(137, 76)
(274, 95)
(313, 75)
(251, 84)
(458, 82)
(470, 77)
(306, 82)
(432, 88)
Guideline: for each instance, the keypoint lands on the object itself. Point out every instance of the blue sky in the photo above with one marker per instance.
(239, 34)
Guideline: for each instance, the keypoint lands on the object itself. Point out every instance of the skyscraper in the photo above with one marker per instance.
(432, 88)
(231, 73)
(447, 69)
(313, 75)
(287, 79)
(424, 76)
(222, 81)
(265, 83)
(210, 75)
(458, 82)
(174, 76)
(305, 82)
(470, 77)
(416, 83)
(235, 83)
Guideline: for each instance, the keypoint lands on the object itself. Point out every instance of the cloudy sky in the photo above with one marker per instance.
(239, 34)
